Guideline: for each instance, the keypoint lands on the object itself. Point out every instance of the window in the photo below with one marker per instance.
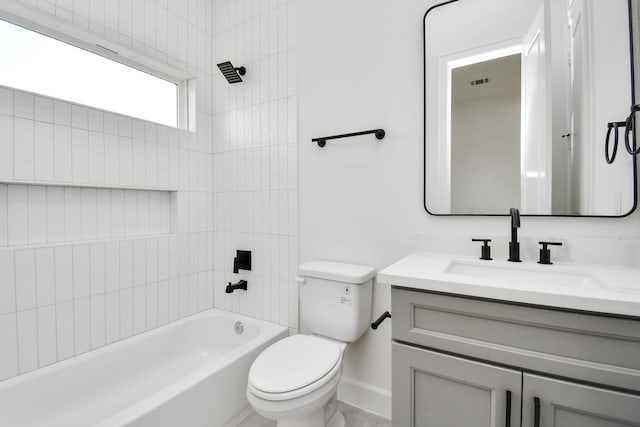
(37, 63)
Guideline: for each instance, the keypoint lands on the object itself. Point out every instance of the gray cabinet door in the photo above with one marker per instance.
(431, 389)
(566, 404)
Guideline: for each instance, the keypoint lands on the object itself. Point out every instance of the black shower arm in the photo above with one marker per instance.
(380, 133)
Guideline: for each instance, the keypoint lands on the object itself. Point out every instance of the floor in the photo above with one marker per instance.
(354, 417)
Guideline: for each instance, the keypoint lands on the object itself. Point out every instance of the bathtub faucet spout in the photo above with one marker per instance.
(242, 284)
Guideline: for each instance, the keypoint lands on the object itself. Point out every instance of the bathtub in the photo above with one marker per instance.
(192, 372)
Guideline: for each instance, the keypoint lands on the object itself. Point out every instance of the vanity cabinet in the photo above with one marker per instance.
(435, 389)
(461, 361)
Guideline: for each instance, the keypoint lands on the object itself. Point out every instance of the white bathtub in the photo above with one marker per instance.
(189, 373)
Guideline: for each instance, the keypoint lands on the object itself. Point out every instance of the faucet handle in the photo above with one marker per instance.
(545, 253)
(485, 250)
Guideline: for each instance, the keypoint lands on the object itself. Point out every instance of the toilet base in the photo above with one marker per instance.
(327, 416)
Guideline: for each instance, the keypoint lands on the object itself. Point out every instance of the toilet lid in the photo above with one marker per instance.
(293, 363)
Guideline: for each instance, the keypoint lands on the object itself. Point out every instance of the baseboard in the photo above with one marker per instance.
(365, 396)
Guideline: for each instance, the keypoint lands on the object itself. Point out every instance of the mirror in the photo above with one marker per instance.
(518, 95)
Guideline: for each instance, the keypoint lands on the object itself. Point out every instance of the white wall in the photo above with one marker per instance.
(485, 154)
(255, 158)
(106, 225)
(360, 67)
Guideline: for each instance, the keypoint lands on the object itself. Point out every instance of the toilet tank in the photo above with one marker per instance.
(335, 298)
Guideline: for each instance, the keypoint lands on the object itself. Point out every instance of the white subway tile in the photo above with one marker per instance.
(89, 215)
(45, 276)
(63, 170)
(73, 214)
(117, 213)
(174, 299)
(81, 272)
(96, 118)
(9, 347)
(4, 232)
(143, 212)
(6, 101)
(126, 160)
(6, 146)
(131, 213)
(126, 264)
(151, 305)
(110, 120)
(65, 330)
(163, 166)
(44, 151)
(154, 217)
(139, 262)
(97, 267)
(139, 160)
(44, 109)
(80, 155)
(62, 113)
(111, 160)
(47, 342)
(151, 164)
(23, 149)
(163, 302)
(7, 284)
(152, 260)
(96, 158)
(98, 321)
(112, 266)
(37, 217)
(82, 324)
(103, 214)
(55, 214)
(126, 313)
(139, 309)
(112, 317)
(25, 273)
(79, 116)
(23, 105)
(64, 273)
(27, 340)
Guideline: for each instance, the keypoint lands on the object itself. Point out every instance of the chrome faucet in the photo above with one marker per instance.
(514, 246)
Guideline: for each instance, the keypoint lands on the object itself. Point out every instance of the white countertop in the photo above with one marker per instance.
(604, 289)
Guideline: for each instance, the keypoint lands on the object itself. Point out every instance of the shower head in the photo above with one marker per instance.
(231, 73)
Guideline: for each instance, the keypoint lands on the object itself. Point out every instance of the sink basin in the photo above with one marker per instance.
(525, 275)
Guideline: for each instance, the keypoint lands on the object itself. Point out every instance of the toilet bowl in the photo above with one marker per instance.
(295, 380)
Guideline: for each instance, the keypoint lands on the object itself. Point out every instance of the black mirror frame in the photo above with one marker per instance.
(424, 128)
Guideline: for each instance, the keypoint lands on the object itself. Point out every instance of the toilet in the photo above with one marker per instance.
(295, 380)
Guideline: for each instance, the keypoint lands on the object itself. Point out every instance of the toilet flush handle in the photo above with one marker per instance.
(385, 315)
(300, 280)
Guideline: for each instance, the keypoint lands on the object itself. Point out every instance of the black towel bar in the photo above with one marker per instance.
(380, 133)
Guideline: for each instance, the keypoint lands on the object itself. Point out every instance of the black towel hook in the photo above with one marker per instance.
(629, 127)
(612, 126)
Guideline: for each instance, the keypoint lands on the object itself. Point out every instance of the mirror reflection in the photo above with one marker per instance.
(517, 106)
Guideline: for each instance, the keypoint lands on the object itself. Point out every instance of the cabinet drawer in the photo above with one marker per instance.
(593, 348)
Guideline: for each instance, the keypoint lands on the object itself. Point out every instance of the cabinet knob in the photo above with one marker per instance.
(536, 412)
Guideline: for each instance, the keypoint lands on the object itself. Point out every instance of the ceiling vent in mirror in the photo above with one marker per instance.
(479, 82)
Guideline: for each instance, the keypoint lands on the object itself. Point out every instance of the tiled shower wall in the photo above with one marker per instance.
(106, 225)
(255, 157)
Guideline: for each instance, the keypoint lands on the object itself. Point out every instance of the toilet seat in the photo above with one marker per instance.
(294, 367)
